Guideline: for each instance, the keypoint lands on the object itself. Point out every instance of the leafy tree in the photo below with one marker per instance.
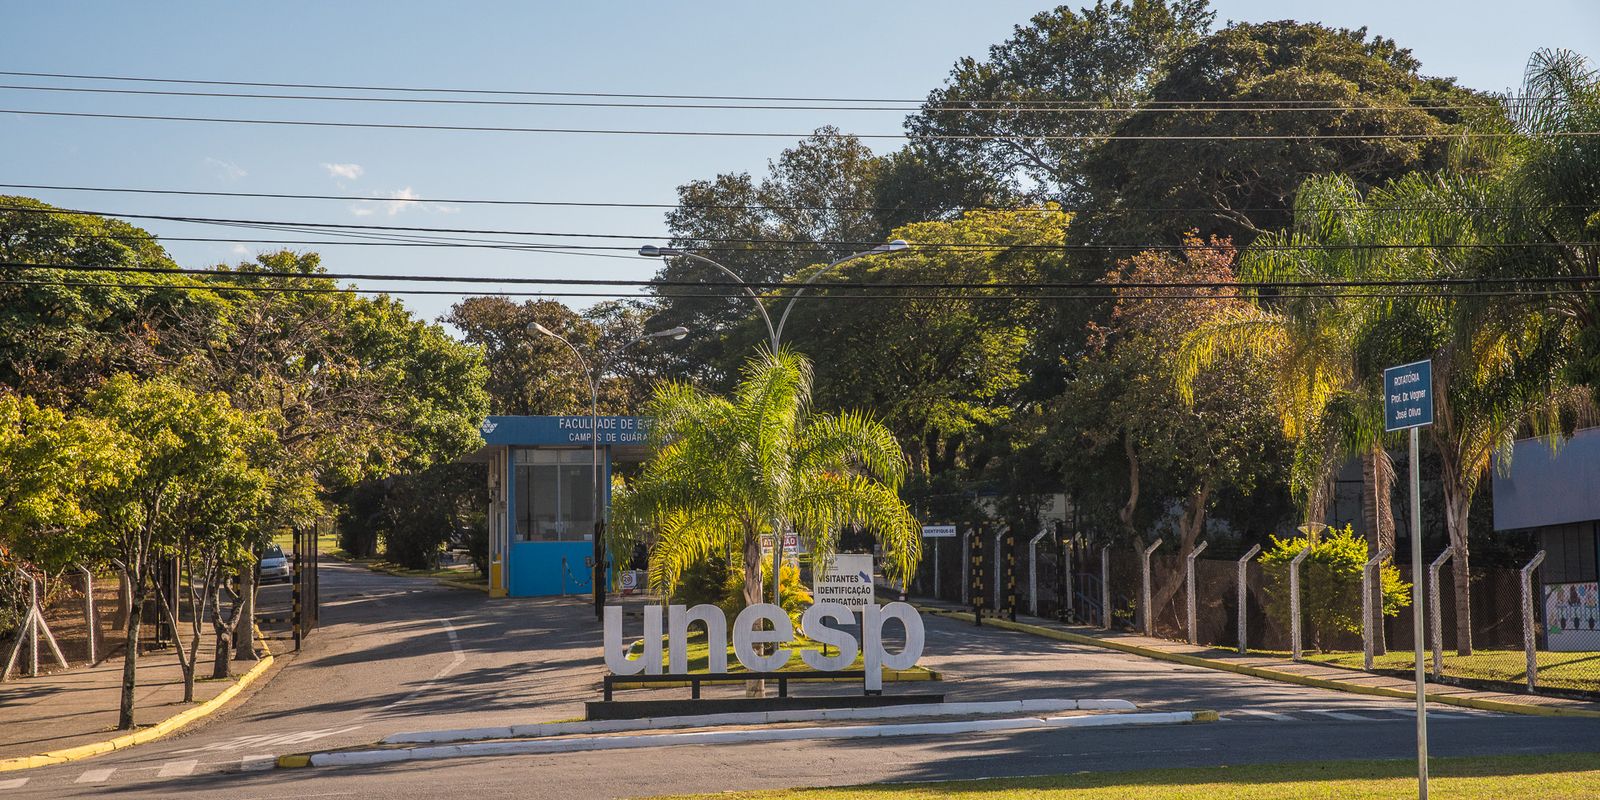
(940, 371)
(59, 340)
(186, 452)
(1330, 582)
(1087, 64)
(1235, 83)
(51, 462)
(818, 199)
(1124, 408)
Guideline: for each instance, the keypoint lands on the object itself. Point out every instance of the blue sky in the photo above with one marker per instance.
(818, 48)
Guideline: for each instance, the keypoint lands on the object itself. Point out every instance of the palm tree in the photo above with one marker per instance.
(723, 471)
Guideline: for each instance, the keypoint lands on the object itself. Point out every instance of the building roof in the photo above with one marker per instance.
(1549, 487)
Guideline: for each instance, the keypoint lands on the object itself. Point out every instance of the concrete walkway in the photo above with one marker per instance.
(1280, 668)
(79, 706)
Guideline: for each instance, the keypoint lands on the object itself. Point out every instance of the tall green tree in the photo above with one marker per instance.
(185, 452)
(724, 470)
(1033, 105)
(51, 463)
(1286, 79)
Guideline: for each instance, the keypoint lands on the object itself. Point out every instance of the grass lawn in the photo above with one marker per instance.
(1580, 671)
(1544, 777)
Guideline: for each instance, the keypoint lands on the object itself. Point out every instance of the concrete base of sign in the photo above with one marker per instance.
(640, 709)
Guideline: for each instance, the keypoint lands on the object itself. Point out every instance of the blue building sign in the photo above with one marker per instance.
(563, 430)
(1408, 396)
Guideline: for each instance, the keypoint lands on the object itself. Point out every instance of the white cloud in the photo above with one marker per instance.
(348, 172)
(225, 170)
(403, 199)
(392, 203)
(241, 250)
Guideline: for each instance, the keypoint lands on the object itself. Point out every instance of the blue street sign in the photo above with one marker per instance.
(1408, 396)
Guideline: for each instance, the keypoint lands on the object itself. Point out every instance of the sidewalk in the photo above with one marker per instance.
(79, 706)
(1279, 668)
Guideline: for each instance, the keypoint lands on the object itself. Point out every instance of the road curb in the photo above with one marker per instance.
(589, 744)
(1268, 674)
(156, 731)
(543, 729)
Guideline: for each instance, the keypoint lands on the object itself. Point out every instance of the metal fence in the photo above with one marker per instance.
(1524, 634)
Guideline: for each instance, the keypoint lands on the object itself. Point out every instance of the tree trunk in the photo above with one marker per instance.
(1456, 503)
(1190, 526)
(245, 619)
(130, 656)
(1377, 514)
(1126, 512)
(752, 591)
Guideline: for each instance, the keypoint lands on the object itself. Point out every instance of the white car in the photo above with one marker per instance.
(274, 565)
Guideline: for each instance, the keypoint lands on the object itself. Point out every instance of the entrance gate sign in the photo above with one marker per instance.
(747, 634)
(938, 531)
(847, 581)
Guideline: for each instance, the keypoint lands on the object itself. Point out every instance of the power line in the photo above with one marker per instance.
(819, 296)
(1564, 280)
(786, 245)
(623, 95)
(997, 107)
(736, 206)
(1097, 137)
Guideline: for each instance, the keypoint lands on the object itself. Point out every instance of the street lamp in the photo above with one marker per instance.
(593, 377)
(774, 337)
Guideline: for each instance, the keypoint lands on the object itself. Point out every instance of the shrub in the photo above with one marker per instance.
(703, 582)
(1330, 582)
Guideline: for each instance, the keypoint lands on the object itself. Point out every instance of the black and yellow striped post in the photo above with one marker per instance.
(1010, 540)
(294, 600)
(1063, 556)
(975, 556)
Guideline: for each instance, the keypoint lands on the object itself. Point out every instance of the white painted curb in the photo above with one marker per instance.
(758, 718)
(577, 745)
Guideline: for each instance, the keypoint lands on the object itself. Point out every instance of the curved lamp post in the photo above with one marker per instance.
(774, 337)
(593, 377)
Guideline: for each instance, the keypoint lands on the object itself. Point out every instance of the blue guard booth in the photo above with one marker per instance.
(541, 498)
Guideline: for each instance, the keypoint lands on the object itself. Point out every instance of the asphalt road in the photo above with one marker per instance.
(398, 654)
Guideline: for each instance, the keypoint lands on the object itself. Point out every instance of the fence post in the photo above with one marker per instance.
(1433, 602)
(1188, 575)
(1294, 600)
(31, 625)
(294, 593)
(1244, 595)
(1144, 589)
(1033, 570)
(1105, 587)
(1528, 639)
(1067, 608)
(1369, 576)
(91, 617)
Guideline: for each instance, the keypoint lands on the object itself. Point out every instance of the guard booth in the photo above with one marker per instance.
(541, 498)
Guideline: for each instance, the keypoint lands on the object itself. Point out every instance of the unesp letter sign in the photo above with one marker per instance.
(747, 635)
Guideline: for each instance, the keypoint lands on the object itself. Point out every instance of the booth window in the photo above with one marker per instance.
(554, 495)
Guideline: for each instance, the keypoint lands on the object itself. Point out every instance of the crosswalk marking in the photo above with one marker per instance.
(258, 762)
(96, 775)
(177, 769)
(14, 783)
(1273, 715)
(1340, 715)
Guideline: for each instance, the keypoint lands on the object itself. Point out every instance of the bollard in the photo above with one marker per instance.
(999, 564)
(1433, 602)
(1144, 590)
(1294, 600)
(1188, 576)
(976, 569)
(1011, 574)
(1529, 641)
(1105, 587)
(1244, 595)
(1369, 576)
(966, 567)
(1067, 607)
(91, 617)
